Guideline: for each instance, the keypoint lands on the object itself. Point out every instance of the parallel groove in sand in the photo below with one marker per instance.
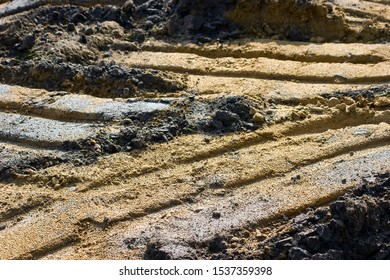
(282, 50)
(133, 192)
(260, 68)
(67, 224)
(315, 125)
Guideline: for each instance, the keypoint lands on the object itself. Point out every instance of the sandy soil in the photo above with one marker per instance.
(122, 140)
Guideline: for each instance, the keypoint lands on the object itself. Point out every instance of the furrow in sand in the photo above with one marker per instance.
(308, 146)
(260, 68)
(257, 203)
(99, 206)
(280, 50)
(234, 143)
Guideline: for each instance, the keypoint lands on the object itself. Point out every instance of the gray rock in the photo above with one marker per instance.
(324, 232)
(128, 6)
(284, 243)
(126, 91)
(28, 42)
(297, 253)
(313, 242)
(89, 31)
(227, 118)
(193, 22)
(329, 255)
(157, 251)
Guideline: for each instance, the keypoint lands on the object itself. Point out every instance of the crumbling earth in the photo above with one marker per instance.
(194, 129)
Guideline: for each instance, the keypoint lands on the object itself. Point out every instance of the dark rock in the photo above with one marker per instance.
(126, 91)
(71, 27)
(154, 19)
(313, 243)
(321, 213)
(78, 17)
(89, 31)
(216, 182)
(306, 234)
(157, 251)
(28, 42)
(338, 207)
(137, 143)
(284, 243)
(217, 244)
(297, 35)
(324, 232)
(130, 242)
(83, 39)
(329, 255)
(193, 23)
(2, 227)
(355, 217)
(138, 36)
(226, 117)
(297, 253)
(148, 25)
(129, 7)
(296, 178)
(216, 215)
(207, 139)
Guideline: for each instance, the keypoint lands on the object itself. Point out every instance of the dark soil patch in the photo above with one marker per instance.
(355, 226)
(102, 80)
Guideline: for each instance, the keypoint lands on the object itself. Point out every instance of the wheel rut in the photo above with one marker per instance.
(116, 144)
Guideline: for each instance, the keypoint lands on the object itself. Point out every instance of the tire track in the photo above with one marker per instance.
(120, 214)
(260, 68)
(193, 187)
(299, 52)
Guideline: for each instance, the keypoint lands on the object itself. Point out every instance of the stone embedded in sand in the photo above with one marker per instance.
(295, 116)
(28, 42)
(352, 108)
(216, 215)
(333, 102)
(348, 100)
(382, 101)
(341, 107)
(258, 118)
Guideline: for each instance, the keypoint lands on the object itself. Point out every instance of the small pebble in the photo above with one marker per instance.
(333, 102)
(258, 118)
(89, 31)
(125, 91)
(71, 27)
(382, 101)
(348, 100)
(341, 107)
(352, 108)
(216, 215)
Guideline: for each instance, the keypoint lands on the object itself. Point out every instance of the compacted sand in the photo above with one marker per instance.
(177, 130)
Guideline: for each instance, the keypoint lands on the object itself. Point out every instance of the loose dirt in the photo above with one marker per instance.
(194, 129)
